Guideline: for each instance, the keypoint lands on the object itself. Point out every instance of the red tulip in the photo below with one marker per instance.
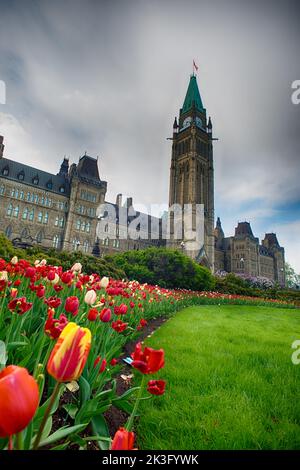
(148, 361)
(123, 440)
(105, 315)
(92, 314)
(156, 387)
(67, 277)
(53, 326)
(53, 302)
(121, 309)
(30, 272)
(119, 326)
(72, 305)
(19, 305)
(19, 398)
(51, 275)
(102, 365)
(70, 353)
(142, 324)
(113, 362)
(131, 304)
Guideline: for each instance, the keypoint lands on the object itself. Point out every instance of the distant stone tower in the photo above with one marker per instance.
(191, 172)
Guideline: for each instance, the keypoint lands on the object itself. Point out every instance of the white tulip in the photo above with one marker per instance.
(104, 282)
(90, 297)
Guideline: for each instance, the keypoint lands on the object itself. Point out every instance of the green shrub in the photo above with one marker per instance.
(90, 264)
(164, 267)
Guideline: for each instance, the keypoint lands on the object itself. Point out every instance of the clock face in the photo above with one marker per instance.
(187, 122)
(199, 122)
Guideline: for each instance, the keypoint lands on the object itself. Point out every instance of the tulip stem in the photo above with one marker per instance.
(46, 415)
(10, 443)
(138, 399)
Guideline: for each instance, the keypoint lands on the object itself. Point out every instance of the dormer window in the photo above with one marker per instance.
(5, 171)
(35, 180)
(21, 176)
(62, 189)
(49, 184)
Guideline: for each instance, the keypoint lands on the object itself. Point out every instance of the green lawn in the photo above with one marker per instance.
(231, 382)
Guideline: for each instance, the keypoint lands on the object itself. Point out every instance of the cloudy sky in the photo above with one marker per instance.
(108, 77)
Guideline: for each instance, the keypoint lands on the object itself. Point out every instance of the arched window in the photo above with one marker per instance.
(78, 224)
(40, 217)
(61, 222)
(75, 244)
(9, 209)
(16, 211)
(56, 221)
(56, 241)
(107, 241)
(8, 231)
(88, 227)
(46, 218)
(83, 226)
(40, 236)
(31, 215)
(13, 192)
(24, 233)
(2, 189)
(21, 195)
(25, 213)
(106, 228)
(86, 246)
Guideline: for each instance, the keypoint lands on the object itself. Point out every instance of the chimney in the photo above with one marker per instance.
(119, 200)
(1, 146)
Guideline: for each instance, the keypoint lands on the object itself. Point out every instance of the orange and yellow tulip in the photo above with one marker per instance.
(70, 353)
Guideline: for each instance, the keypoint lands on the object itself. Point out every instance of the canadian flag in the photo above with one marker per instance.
(195, 66)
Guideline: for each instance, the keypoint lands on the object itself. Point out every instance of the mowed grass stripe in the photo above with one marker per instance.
(231, 382)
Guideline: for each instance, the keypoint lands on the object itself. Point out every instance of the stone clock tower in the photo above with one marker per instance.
(192, 174)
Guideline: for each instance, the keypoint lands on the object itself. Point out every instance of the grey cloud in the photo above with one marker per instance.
(108, 77)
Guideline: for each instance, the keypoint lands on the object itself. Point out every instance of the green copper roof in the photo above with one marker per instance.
(192, 95)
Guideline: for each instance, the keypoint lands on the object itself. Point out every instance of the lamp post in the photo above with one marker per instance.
(77, 245)
(182, 244)
(242, 261)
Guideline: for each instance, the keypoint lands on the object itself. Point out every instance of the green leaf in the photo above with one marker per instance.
(3, 355)
(3, 443)
(61, 446)
(127, 393)
(16, 344)
(28, 436)
(85, 390)
(47, 428)
(71, 409)
(124, 406)
(100, 428)
(62, 433)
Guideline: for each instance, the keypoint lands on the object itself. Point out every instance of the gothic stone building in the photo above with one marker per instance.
(62, 210)
(243, 254)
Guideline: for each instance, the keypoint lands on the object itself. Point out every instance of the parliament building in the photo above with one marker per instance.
(62, 210)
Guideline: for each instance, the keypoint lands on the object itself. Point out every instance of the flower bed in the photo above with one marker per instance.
(62, 334)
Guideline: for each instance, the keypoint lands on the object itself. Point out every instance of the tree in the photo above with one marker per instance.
(292, 278)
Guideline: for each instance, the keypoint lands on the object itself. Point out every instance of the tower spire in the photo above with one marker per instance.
(192, 97)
